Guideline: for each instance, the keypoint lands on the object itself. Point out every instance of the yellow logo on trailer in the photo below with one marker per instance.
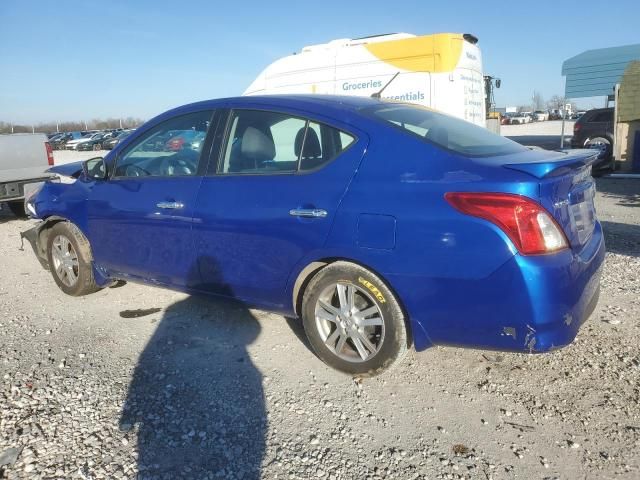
(430, 53)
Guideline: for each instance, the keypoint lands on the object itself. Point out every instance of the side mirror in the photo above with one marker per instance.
(94, 168)
(498, 82)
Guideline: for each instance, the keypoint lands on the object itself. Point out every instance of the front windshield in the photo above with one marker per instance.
(445, 131)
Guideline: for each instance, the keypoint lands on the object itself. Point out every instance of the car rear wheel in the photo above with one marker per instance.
(69, 259)
(602, 144)
(353, 321)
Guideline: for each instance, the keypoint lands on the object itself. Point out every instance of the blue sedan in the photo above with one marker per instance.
(382, 225)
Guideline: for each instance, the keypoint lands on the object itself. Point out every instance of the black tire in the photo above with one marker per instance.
(83, 271)
(390, 338)
(18, 209)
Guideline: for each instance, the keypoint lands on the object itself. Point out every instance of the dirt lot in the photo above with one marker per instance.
(138, 382)
(540, 134)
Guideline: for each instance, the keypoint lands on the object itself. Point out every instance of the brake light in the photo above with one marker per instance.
(47, 146)
(576, 127)
(527, 223)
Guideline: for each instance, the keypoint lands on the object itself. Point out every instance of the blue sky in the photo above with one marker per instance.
(73, 59)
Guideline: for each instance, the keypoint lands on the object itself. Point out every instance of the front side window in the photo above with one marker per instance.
(171, 148)
(448, 132)
(262, 142)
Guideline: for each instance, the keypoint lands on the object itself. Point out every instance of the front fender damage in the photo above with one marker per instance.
(38, 238)
(33, 237)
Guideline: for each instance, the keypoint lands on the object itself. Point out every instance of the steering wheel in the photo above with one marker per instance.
(135, 171)
(181, 163)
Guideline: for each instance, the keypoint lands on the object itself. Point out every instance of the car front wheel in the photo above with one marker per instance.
(353, 321)
(69, 259)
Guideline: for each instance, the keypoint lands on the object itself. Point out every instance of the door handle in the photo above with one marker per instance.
(308, 212)
(170, 205)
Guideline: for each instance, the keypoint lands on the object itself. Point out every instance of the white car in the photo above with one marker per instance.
(519, 118)
(73, 144)
(541, 116)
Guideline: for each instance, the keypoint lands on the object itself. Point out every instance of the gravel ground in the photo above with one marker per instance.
(540, 134)
(139, 382)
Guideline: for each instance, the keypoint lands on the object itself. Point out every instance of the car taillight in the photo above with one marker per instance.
(576, 127)
(528, 224)
(47, 146)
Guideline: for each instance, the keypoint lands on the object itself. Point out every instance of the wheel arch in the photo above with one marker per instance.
(44, 230)
(314, 267)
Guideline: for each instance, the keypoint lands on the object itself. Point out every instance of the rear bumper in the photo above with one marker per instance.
(15, 190)
(530, 304)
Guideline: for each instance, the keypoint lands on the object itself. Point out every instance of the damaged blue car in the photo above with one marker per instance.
(382, 225)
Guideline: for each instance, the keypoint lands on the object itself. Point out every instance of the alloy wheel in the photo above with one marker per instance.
(349, 322)
(65, 260)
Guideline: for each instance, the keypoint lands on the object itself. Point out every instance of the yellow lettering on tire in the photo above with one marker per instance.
(373, 289)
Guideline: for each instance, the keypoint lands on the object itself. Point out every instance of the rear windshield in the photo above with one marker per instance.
(448, 132)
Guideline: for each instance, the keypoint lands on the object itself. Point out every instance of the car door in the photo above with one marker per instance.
(139, 219)
(274, 187)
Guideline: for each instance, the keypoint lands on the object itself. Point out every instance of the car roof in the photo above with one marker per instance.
(598, 110)
(330, 104)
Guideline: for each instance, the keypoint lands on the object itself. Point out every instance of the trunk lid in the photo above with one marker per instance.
(566, 189)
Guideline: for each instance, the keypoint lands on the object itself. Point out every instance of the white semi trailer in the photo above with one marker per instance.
(441, 71)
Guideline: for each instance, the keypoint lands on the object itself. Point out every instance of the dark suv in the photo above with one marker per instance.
(594, 129)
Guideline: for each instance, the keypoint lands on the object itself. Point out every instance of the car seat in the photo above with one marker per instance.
(310, 153)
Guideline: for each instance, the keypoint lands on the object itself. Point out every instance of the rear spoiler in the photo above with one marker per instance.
(563, 163)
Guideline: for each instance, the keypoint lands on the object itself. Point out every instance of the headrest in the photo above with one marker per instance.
(439, 135)
(311, 144)
(256, 145)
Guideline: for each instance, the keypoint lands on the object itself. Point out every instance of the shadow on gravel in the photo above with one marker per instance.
(625, 191)
(622, 238)
(196, 399)
(6, 215)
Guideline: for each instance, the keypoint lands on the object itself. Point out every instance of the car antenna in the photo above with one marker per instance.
(379, 92)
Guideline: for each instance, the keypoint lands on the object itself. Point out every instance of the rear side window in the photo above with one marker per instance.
(448, 132)
(602, 117)
(263, 142)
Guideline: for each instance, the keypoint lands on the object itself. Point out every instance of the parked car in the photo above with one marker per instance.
(505, 119)
(110, 143)
(541, 116)
(60, 142)
(555, 114)
(519, 118)
(594, 129)
(381, 224)
(24, 157)
(93, 138)
(180, 140)
(95, 142)
(73, 144)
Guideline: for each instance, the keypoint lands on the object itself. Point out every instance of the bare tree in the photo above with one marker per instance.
(556, 102)
(537, 102)
(71, 126)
